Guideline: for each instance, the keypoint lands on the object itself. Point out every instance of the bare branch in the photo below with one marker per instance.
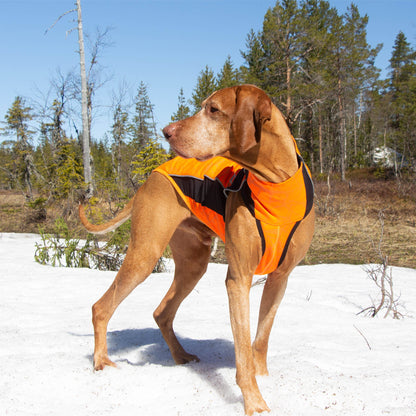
(68, 32)
(58, 19)
(368, 344)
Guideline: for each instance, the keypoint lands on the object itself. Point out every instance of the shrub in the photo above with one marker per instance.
(61, 249)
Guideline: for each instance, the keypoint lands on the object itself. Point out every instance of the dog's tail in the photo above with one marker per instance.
(111, 225)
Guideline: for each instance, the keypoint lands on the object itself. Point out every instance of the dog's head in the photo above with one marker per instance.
(230, 120)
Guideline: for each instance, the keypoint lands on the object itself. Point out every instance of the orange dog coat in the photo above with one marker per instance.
(277, 208)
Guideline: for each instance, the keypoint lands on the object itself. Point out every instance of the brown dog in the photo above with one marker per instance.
(240, 124)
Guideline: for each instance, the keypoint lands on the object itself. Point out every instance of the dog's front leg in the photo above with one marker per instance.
(243, 247)
(238, 295)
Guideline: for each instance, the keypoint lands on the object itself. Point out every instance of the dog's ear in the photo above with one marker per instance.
(253, 108)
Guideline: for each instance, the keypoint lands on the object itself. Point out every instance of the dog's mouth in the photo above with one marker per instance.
(203, 158)
(180, 154)
(199, 158)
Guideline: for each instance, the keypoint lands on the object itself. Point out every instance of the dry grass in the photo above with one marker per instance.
(347, 225)
(17, 217)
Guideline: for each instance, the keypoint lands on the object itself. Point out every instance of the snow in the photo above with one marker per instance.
(319, 362)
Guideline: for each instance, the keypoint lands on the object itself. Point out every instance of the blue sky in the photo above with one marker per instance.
(164, 43)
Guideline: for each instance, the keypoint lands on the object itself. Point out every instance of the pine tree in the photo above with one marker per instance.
(318, 68)
(283, 42)
(354, 71)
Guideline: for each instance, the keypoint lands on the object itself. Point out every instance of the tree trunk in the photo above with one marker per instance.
(321, 157)
(342, 132)
(289, 92)
(84, 107)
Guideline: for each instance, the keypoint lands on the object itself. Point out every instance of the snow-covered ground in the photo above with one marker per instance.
(319, 363)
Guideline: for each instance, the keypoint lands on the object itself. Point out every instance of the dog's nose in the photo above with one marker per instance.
(167, 132)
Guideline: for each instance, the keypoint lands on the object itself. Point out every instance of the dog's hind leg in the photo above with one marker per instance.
(191, 253)
(157, 211)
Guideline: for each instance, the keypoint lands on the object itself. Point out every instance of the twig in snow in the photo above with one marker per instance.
(366, 340)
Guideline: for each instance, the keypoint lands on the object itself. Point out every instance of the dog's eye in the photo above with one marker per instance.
(213, 109)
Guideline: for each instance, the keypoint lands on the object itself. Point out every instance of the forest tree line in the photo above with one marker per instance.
(315, 64)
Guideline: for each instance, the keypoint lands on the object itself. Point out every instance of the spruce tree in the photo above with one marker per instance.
(283, 42)
(318, 68)
(142, 127)
(150, 157)
(17, 123)
(228, 76)
(143, 139)
(119, 134)
(58, 157)
(206, 85)
(183, 110)
(254, 70)
(402, 88)
(69, 170)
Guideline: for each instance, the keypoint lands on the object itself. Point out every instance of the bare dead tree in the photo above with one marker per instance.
(95, 45)
(382, 276)
(84, 107)
(84, 98)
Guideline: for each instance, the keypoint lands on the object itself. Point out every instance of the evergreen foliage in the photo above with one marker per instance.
(149, 158)
(61, 249)
(183, 110)
(315, 63)
(228, 76)
(206, 85)
(142, 127)
(69, 172)
(20, 168)
(319, 69)
(402, 92)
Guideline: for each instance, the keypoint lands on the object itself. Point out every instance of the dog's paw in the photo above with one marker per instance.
(258, 407)
(101, 362)
(183, 358)
(253, 400)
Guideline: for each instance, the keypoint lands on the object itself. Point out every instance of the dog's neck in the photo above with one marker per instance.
(274, 159)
